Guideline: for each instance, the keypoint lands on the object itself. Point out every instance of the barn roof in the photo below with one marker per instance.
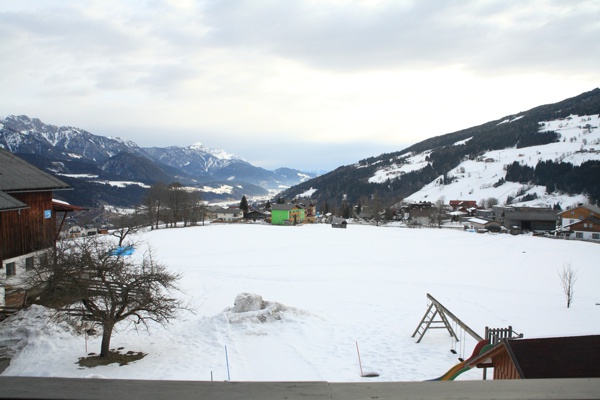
(9, 203)
(17, 175)
(547, 358)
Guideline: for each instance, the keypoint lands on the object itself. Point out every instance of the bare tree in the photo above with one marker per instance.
(125, 225)
(439, 213)
(568, 277)
(155, 202)
(90, 280)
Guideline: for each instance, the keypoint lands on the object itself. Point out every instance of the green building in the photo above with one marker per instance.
(287, 214)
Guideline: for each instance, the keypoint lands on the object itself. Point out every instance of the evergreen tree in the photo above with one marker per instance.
(244, 204)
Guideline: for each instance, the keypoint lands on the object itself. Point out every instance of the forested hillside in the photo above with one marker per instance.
(444, 153)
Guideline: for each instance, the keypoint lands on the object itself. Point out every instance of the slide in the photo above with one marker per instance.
(462, 367)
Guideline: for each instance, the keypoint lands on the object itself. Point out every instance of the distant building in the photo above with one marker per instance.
(228, 214)
(480, 223)
(287, 214)
(582, 222)
(339, 223)
(526, 218)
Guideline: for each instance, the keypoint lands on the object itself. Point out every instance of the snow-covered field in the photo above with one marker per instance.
(338, 288)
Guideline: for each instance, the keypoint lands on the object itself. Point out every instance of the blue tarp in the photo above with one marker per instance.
(123, 251)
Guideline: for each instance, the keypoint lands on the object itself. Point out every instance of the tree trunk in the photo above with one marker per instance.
(106, 335)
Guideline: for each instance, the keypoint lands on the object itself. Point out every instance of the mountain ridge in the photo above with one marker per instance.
(440, 155)
(77, 153)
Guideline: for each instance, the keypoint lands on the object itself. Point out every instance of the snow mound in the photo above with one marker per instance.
(250, 307)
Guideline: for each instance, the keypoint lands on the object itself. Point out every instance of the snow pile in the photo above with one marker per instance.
(250, 307)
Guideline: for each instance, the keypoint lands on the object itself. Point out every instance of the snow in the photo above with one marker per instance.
(461, 142)
(218, 153)
(478, 221)
(327, 290)
(90, 176)
(222, 189)
(307, 193)
(123, 184)
(407, 163)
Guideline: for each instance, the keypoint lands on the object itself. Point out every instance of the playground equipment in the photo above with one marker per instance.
(482, 346)
(429, 322)
(435, 310)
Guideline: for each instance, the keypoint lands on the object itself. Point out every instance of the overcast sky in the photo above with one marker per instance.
(308, 84)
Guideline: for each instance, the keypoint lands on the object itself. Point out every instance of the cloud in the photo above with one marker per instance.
(478, 35)
(326, 72)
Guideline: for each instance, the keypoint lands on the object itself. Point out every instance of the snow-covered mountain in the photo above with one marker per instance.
(21, 134)
(544, 156)
(485, 176)
(78, 154)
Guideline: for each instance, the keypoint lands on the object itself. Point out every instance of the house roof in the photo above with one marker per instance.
(62, 206)
(284, 207)
(589, 207)
(9, 203)
(479, 221)
(229, 211)
(547, 358)
(17, 175)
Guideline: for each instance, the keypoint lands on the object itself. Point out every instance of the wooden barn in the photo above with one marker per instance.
(339, 223)
(27, 215)
(546, 358)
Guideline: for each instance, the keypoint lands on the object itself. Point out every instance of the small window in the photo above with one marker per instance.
(10, 269)
(585, 225)
(28, 263)
(572, 212)
(596, 236)
(579, 235)
(43, 259)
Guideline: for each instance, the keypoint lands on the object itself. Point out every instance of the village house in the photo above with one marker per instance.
(255, 215)
(310, 212)
(28, 224)
(581, 222)
(418, 213)
(466, 206)
(480, 224)
(287, 214)
(579, 213)
(228, 214)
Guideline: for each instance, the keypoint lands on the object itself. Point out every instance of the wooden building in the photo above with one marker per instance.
(546, 358)
(339, 223)
(27, 214)
(582, 222)
(526, 218)
(579, 213)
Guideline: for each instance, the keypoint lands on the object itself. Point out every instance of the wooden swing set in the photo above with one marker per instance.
(438, 317)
